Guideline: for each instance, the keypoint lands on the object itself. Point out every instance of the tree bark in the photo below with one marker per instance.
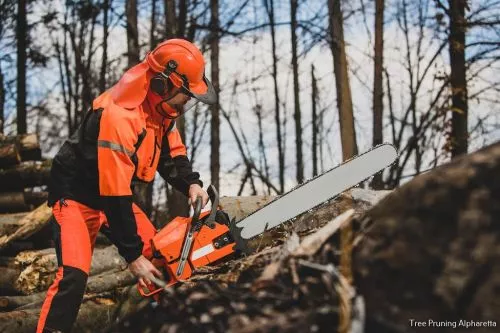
(132, 33)
(378, 87)
(344, 98)
(170, 19)
(214, 109)
(439, 235)
(11, 202)
(22, 38)
(94, 314)
(458, 80)
(297, 115)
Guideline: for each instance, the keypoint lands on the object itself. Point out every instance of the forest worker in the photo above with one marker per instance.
(128, 135)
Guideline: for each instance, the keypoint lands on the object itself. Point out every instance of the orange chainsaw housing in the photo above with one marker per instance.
(209, 245)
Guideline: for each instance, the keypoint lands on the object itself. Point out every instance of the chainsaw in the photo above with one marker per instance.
(187, 243)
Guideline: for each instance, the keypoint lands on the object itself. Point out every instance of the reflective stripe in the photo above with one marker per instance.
(115, 147)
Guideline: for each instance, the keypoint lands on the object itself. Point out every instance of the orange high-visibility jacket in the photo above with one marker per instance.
(113, 148)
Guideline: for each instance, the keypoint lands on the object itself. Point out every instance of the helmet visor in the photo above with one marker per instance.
(208, 97)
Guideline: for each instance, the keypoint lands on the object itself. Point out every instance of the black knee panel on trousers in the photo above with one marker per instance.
(67, 300)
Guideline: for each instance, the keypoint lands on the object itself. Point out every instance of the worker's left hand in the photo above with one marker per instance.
(195, 191)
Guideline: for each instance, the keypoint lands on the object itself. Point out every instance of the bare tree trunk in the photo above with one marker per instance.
(459, 131)
(2, 102)
(170, 19)
(182, 18)
(297, 115)
(378, 91)
(314, 123)
(132, 33)
(344, 98)
(262, 148)
(21, 35)
(277, 118)
(104, 63)
(152, 39)
(143, 193)
(215, 120)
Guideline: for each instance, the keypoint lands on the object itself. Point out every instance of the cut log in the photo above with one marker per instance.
(27, 144)
(94, 314)
(433, 251)
(9, 155)
(240, 207)
(10, 222)
(30, 224)
(8, 277)
(26, 174)
(11, 202)
(97, 284)
(38, 268)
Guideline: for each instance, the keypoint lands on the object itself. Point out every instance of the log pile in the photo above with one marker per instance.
(22, 173)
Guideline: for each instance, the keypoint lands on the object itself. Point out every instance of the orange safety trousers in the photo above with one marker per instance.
(75, 230)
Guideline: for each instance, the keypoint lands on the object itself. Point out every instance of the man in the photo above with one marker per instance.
(127, 136)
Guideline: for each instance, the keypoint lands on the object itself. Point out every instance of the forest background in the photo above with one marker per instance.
(302, 85)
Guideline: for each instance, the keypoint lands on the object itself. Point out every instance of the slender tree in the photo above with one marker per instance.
(2, 102)
(143, 193)
(104, 63)
(214, 109)
(152, 38)
(297, 113)
(21, 36)
(170, 19)
(314, 98)
(378, 91)
(132, 33)
(269, 5)
(344, 98)
(458, 80)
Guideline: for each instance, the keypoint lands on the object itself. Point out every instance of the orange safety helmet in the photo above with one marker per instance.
(176, 60)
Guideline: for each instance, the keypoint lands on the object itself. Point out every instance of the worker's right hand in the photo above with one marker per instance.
(143, 269)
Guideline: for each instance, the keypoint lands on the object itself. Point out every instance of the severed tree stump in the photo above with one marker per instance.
(432, 251)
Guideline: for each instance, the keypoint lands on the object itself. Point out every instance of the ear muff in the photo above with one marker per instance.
(159, 85)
